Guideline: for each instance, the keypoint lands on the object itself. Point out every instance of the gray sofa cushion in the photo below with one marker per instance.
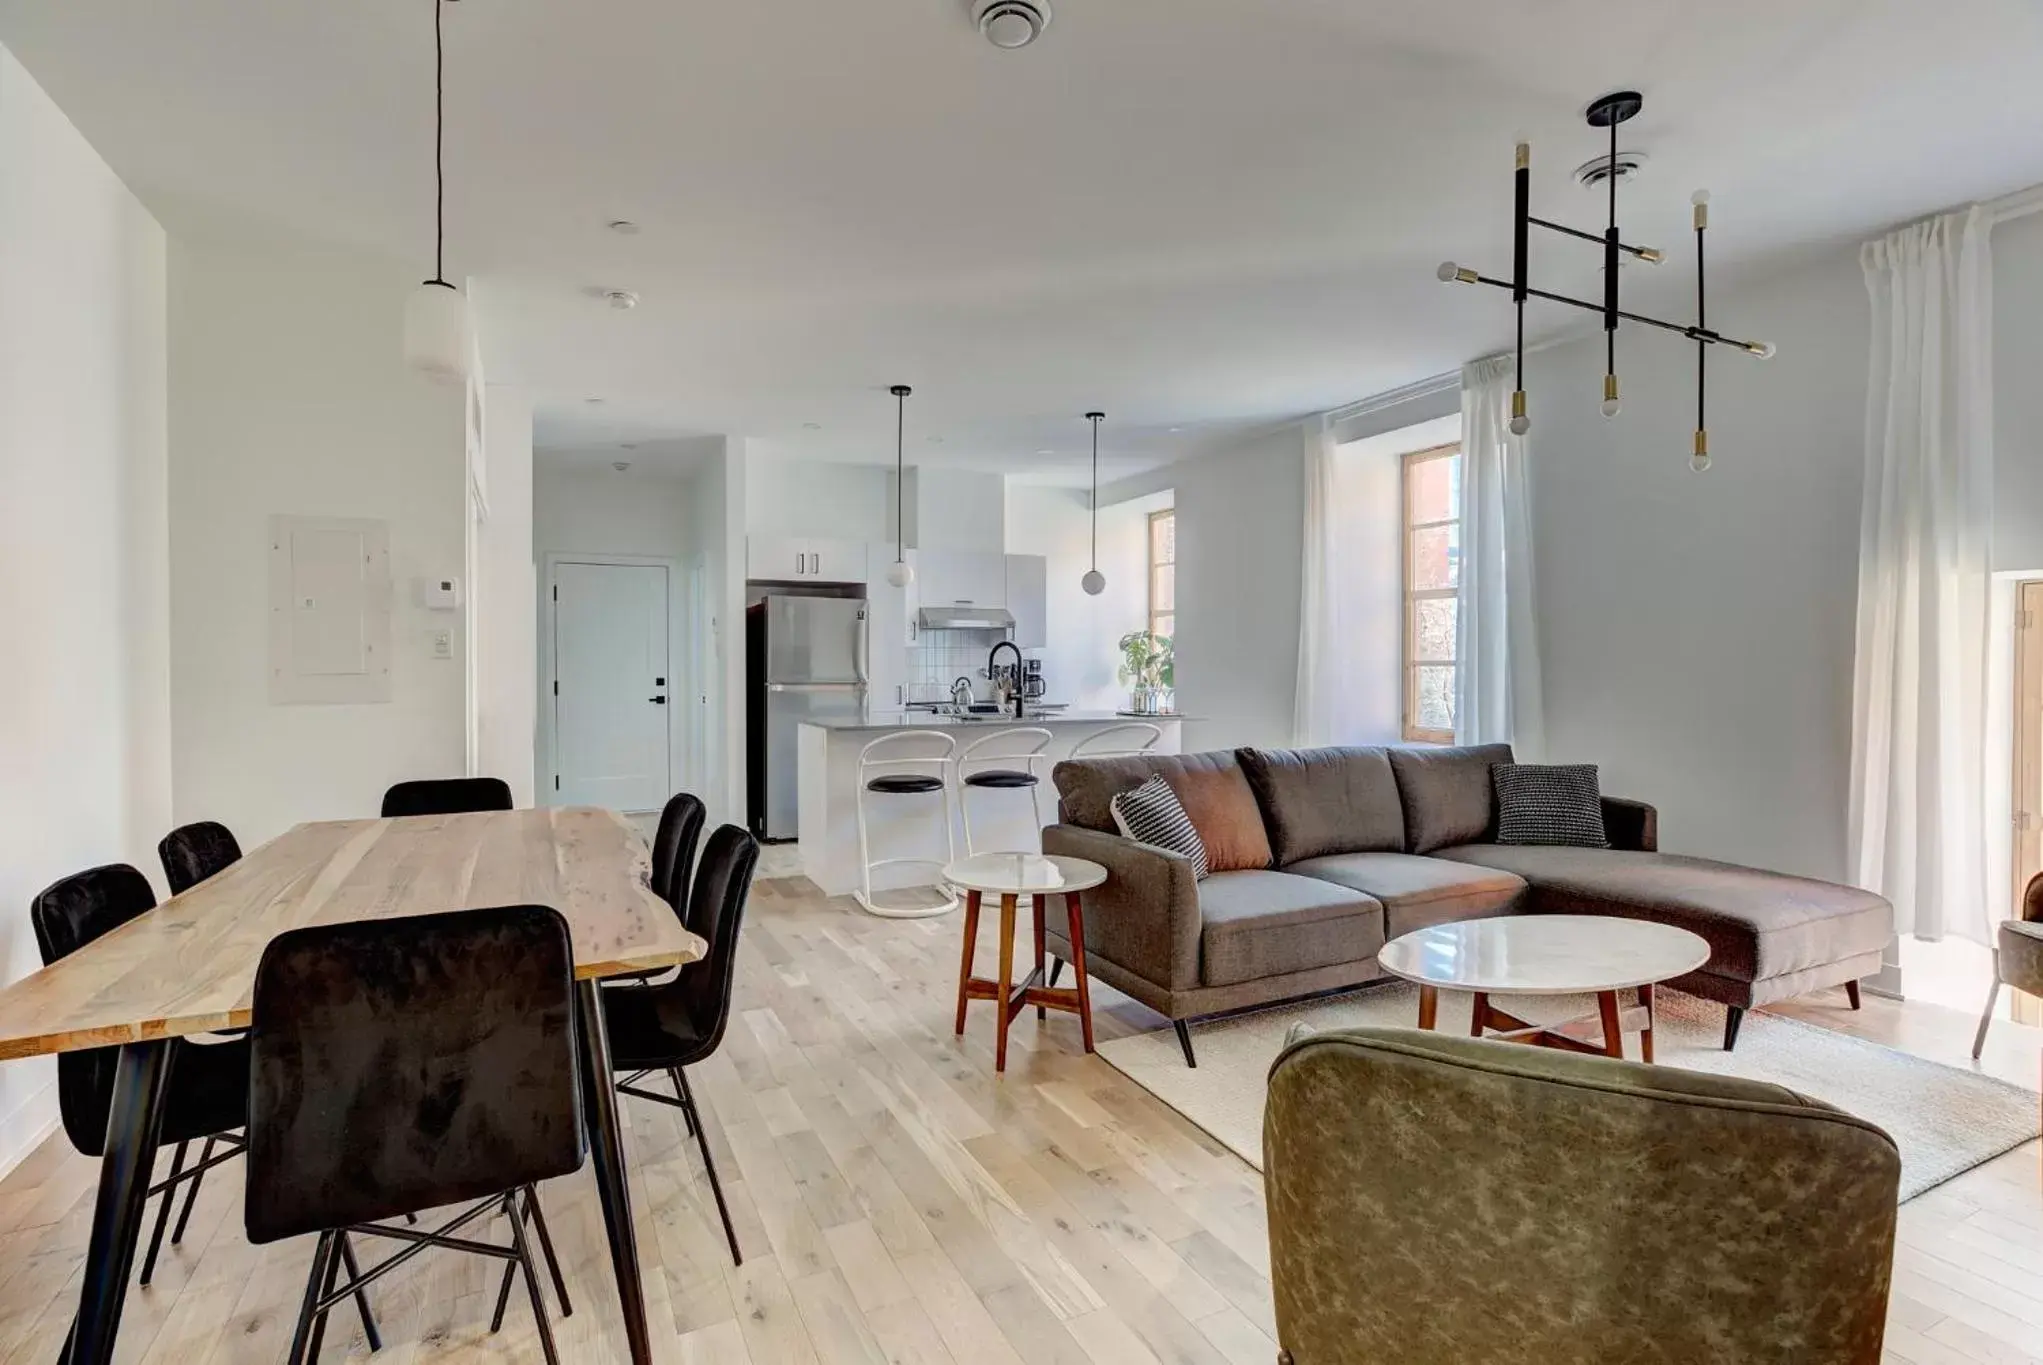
(1321, 801)
(1758, 924)
(1448, 798)
(1086, 787)
(1417, 892)
(1260, 924)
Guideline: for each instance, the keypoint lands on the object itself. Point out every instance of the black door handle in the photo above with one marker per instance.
(657, 701)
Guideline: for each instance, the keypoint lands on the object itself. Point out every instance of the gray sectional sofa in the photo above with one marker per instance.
(1368, 844)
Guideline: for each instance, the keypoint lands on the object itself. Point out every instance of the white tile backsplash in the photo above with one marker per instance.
(940, 656)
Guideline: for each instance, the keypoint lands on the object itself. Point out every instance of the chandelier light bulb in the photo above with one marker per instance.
(1520, 425)
(1699, 198)
(900, 573)
(1700, 462)
(1609, 407)
(1447, 271)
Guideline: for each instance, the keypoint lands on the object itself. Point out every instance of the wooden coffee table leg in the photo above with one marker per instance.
(1429, 1006)
(1004, 1015)
(1075, 914)
(1478, 1014)
(1646, 1036)
(1613, 1026)
(971, 943)
(1036, 906)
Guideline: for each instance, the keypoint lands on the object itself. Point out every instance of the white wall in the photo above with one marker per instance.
(288, 394)
(1083, 633)
(502, 624)
(718, 527)
(2018, 397)
(85, 696)
(1241, 515)
(954, 509)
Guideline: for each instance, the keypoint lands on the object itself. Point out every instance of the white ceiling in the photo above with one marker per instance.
(1207, 215)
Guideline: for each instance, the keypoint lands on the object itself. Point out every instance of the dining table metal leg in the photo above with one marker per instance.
(599, 1105)
(124, 1172)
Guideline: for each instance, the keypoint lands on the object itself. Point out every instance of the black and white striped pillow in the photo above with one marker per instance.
(1560, 804)
(1152, 814)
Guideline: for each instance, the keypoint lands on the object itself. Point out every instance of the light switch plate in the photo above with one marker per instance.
(443, 644)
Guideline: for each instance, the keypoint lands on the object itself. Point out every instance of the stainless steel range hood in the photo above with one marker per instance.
(965, 618)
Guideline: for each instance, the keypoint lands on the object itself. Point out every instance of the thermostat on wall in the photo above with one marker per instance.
(440, 594)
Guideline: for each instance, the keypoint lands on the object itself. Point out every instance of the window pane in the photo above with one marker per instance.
(1164, 626)
(1433, 628)
(1163, 540)
(1434, 706)
(1436, 557)
(1163, 588)
(1435, 488)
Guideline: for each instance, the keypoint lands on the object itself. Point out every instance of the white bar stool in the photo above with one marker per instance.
(918, 774)
(998, 771)
(1096, 745)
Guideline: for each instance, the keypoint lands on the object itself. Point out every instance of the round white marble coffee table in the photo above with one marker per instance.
(1546, 955)
(1011, 876)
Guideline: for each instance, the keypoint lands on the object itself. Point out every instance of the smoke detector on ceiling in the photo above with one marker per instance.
(1595, 173)
(1011, 23)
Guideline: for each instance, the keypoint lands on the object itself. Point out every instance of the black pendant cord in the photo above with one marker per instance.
(1521, 251)
(901, 392)
(1702, 351)
(439, 150)
(1610, 299)
(1095, 418)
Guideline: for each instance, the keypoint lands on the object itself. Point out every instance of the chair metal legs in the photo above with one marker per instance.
(163, 1212)
(1986, 1015)
(531, 1213)
(684, 1100)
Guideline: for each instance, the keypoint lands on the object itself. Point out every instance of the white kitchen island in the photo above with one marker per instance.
(906, 826)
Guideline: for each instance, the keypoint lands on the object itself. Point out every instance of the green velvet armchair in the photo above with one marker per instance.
(2017, 957)
(1438, 1201)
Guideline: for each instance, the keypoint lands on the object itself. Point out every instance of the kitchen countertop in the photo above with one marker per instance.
(925, 720)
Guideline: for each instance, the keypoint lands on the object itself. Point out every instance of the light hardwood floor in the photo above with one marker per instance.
(899, 1204)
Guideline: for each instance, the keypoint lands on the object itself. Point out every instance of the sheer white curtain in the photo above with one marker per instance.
(1496, 681)
(1918, 773)
(1318, 718)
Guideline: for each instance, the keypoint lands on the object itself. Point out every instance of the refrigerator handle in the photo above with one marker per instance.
(861, 649)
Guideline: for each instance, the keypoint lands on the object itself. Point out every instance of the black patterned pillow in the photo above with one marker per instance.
(1152, 814)
(1558, 803)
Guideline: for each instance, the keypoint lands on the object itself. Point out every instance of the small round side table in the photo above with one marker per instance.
(1011, 876)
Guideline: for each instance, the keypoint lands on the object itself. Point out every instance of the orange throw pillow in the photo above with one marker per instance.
(1223, 809)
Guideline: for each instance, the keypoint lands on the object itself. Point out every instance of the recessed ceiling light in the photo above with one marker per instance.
(1176, 430)
(1046, 452)
(627, 445)
(812, 426)
(621, 465)
(1012, 23)
(623, 227)
(936, 440)
(592, 400)
(620, 299)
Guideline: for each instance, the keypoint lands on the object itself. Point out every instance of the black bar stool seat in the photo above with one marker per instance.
(1001, 777)
(904, 784)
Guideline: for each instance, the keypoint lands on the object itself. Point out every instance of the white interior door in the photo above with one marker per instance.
(612, 685)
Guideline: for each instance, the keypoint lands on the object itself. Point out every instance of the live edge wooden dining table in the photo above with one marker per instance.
(188, 966)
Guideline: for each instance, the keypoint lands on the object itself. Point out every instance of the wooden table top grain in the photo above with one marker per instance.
(188, 966)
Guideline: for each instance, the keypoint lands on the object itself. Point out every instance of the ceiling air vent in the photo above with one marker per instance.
(1012, 23)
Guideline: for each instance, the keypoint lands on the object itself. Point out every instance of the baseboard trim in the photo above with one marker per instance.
(28, 1127)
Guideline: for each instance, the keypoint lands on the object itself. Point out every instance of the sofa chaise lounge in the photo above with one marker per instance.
(1324, 855)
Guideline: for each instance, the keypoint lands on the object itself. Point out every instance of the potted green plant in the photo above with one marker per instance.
(1148, 670)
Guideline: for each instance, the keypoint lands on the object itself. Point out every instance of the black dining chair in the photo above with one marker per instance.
(405, 1064)
(674, 849)
(192, 853)
(671, 1026)
(207, 1093)
(447, 796)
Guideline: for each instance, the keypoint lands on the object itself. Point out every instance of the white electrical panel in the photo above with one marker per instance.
(329, 610)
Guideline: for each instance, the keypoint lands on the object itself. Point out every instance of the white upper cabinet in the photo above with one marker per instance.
(968, 578)
(798, 559)
(1028, 581)
(891, 614)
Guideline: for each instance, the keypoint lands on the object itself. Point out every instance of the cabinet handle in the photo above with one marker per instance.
(801, 563)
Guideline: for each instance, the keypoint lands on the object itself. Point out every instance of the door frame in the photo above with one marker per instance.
(2025, 839)
(680, 763)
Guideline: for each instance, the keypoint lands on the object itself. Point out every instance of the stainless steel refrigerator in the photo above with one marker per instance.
(806, 659)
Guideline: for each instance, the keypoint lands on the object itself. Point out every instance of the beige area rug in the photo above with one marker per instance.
(1945, 1121)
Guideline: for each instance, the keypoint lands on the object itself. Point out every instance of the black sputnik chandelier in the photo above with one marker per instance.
(1607, 112)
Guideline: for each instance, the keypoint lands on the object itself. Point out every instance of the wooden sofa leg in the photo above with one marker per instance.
(1185, 1042)
(1851, 993)
(1733, 1016)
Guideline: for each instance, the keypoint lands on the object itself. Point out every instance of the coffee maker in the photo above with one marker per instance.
(1034, 688)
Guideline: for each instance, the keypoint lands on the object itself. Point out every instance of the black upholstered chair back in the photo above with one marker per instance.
(405, 1064)
(67, 915)
(716, 908)
(447, 796)
(674, 849)
(192, 853)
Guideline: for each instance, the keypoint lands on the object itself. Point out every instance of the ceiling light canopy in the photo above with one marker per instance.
(436, 315)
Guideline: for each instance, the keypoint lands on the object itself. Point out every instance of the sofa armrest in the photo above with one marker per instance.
(1145, 918)
(2032, 900)
(1631, 825)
